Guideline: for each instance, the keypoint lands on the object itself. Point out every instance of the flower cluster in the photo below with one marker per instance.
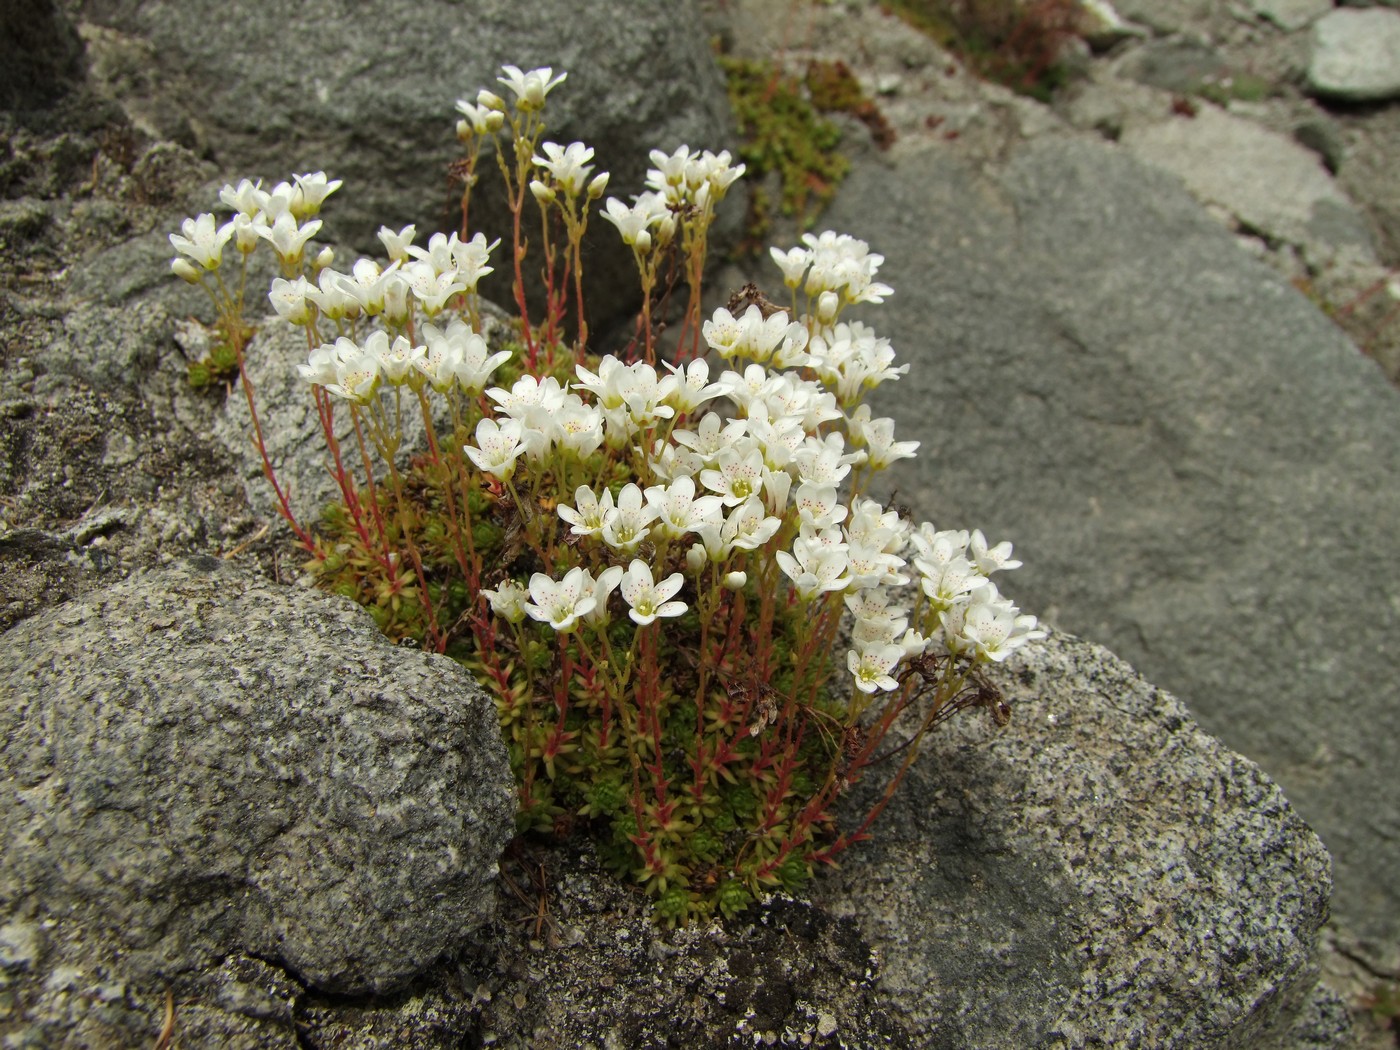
(702, 733)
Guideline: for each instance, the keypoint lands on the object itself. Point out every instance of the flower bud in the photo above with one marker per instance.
(325, 257)
(464, 132)
(598, 186)
(542, 193)
(827, 305)
(643, 242)
(734, 581)
(695, 558)
(185, 270)
(490, 101)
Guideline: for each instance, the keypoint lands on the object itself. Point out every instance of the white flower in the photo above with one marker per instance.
(936, 548)
(689, 386)
(470, 258)
(722, 333)
(994, 559)
(627, 524)
(749, 525)
(480, 120)
(814, 569)
(247, 198)
(877, 435)
(498, 448)
(740, 475)
(368, 284)
(589, 514)
(677, 509)
(603, 587)
(874, 526)
(322, 366)
(430, 288)
(793, 263)
(438, 253)
(289, 299)
(459, 355)
(579, 427)
(288, 239)
(648, 600)
(202, 241)
(945, 584)
(872, 665)
(823, 462)
(357, 372)
(871, 566)
(530, 88)
(396, 244)
(561, 604)
(398, 362)
(711, 436)
(507, 601)
(568, 165)
(992, 628)
(818, 505)
(245, 232)
(536, 404)
(331, 297)
(310, 193)
(636, 221)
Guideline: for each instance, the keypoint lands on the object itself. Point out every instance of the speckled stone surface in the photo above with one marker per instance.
(1099, 873)
(198, 765)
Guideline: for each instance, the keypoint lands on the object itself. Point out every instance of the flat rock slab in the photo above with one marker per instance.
(1356, 55)
(1270, 184)
(197, 765)
(1196, 466)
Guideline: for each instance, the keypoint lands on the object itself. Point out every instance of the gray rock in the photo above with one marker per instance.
(313, 89)
(199, 764)
(1291, 15)
(1101, 835)
(1198, 468)
(1324, 137)
(1271, 185)
(1356, 55)
(1179, 64)
(41, 56)
(1099, 873)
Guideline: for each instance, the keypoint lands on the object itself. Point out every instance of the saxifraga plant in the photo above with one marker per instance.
(649, 568)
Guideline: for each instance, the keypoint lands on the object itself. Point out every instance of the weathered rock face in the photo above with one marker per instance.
(198, 764)
(40, 54)
(366, 92)
(1196, 463)
(1058, 882)
(1099, 873)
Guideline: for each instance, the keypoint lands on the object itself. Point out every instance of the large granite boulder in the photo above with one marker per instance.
(1197, 466)
(198, 765)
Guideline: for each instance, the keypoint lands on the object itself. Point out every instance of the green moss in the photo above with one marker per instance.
(784, 134)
